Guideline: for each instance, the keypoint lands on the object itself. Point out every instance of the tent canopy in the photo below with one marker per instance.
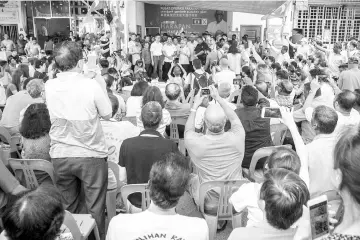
(257, 7)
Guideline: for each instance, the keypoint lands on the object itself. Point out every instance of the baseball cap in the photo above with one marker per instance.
(353, 60)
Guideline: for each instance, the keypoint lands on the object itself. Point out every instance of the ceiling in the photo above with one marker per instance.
(258, 7)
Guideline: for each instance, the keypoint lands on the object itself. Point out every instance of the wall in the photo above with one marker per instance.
(140, 16)
(240, 18)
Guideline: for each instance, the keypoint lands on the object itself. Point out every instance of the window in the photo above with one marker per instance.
(343, 22)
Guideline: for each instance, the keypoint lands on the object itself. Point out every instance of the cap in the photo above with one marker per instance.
(353, 60)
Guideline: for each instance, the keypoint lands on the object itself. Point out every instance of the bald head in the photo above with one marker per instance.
(224, 63)
(224, 89)
(172, 91)
(215, 118)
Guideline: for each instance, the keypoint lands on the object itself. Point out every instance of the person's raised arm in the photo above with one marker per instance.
(190, 123)
(207, 62)
(314, 86)
(170, 71)
(230, 114)
(256, 56)
(321, 48)
(277, 51)
(292, 44)
(288, 120)
(183, 70)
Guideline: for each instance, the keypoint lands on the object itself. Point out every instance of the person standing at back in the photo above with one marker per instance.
(350, 79)
(78, 150)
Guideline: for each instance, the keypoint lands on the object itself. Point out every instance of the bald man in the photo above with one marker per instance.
(225, 75)
(216, 154)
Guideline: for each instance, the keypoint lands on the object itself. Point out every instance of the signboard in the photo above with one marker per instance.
(173, 19)
(9, 12)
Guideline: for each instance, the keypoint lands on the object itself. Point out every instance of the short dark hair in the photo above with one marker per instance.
(294, 64)
(284, 194)
(168, 180)
(67, 55)
(282, 74)
(285, 158)
(346, 159)
(139, 88)
(16, 78)
(38, 63)
(271, 58)
(25, 83)
(316, 72)
(172, 91)
(286, 48)
(325, 118)
(346, 100)
(151, 115)
(276, 66)
(104, 63)
(38, 214)
(114, 103)
(108, 79)
(36, 122)
(112, 71)
(249, 95)
(153, 93)
(300, 57)
(197, 63)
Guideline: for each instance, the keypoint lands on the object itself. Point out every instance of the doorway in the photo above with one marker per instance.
(253, 31)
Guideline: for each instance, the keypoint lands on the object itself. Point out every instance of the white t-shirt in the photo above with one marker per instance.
(225, 76)
(170, 51)
(75, 103)
(115, 133)
(156, 49)
(247, 196)
(214, 26)
(192, 46)
(234, 62)
(133, 106)
(148, 225)
(184, 55)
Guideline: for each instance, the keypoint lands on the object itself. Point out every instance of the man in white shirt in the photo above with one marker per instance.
(304, 49)
(225, 75)
(78, 148)
(184, 54)
(156, 53)
(192, 45)
(168, 181)
(169, 51)
(320, 150)
(281, 55)
(219, 24)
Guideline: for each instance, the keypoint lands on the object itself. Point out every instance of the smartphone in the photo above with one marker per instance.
(236, 81)
(319, 217)
(268, 112)
(205, 92)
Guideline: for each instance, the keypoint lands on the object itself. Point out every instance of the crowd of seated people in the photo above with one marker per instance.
(80, 108)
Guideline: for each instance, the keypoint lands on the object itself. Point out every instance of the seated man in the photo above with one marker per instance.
(168, 181)
(115, 133)
(175, 107)
(109, 80)
(320, 150)
(40, 67)
(217, 155)
(282, 198)
(284, 94)
(257, 129)
(137, 154)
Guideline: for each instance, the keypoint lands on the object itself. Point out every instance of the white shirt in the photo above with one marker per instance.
(321, 163)
(247, 196)
(225, 76)
(115, 133)
(303, 50)
(170, 51)
(214, 26)
(133, 106)
(192, 46)
(185, 53)
(156, 49)
(31, 70)
(234, 62)
(149, 225)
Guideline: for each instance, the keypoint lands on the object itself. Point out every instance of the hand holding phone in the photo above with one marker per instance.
(268, 112)
(319, 217)
(205, 92)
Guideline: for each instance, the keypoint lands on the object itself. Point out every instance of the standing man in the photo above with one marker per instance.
(78, 150)
(350, 79)
(134, 49)
(219, 24)
(21, 43)
(192, 45)
(169, 51)
(156, 53)
(184, 54)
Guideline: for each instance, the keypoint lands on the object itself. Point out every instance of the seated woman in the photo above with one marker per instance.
(133, 103)
(38, 215)
(34, 131)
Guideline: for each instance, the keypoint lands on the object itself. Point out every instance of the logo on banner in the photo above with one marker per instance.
(199, 21)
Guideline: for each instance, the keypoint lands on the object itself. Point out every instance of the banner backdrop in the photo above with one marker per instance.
(173, 19)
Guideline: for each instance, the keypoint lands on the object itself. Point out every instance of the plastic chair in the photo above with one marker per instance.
(28, 166)
(278, 133)
(111, 194)
(80, 225)
(225, 209)
(12, 141)
(174, 132)
(258, 154)
(133, 188)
